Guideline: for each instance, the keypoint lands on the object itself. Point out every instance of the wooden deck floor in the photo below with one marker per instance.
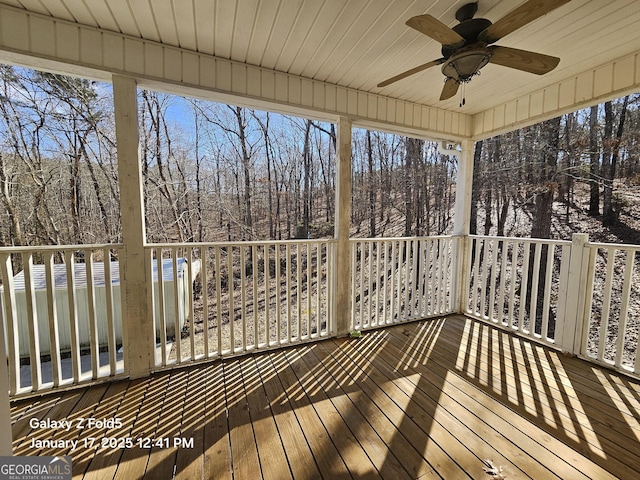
(431, 399)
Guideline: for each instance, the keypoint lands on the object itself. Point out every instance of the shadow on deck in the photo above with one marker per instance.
(430, 399)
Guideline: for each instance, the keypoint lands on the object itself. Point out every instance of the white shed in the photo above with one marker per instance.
(38, 274)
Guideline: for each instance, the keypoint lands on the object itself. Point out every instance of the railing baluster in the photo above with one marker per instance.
(33, 327)
(94, 341)
(547, 292)
(385, 279)
(394, 288)
(533, 298)
(255, 275)
(439, 295)
(355, 321)
(430, 288)
(310, 266)
(421, 268)
(11, 322)
(606, 304)
(267, 295)
(204, 292)
(446, 266)
(243, 297)
(504, 246)
(484, 276)
(178, 312)
(218, 275)
(299, 291)
(161, 313)
(587, 318)
(111, 329)
(624, 308)
(188, 309)
(515, 254)
(315, 322)
(74, 328)
(476, 274)
(406, 256)
(373, 321)
(287, 283)
(370, 272)
(563, 289)
(232, 307)
(524, 284)
(278, 300)
(54, 334)
(495, 247)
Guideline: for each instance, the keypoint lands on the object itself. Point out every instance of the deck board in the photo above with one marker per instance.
(429, 399)
(300, 457)
(217, 456)
(190, 461)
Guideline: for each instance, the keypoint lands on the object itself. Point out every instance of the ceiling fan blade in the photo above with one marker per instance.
(519, 17)
(434, 28)
(524, 60)
(450, 89)
(417, 69)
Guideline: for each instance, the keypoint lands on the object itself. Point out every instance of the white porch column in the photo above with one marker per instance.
(342, 258)
(464, 184)
(462, 216)
(6, 439)
(575, 292)
(137, 319)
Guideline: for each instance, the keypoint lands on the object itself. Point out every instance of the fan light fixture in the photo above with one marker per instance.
(463, 66)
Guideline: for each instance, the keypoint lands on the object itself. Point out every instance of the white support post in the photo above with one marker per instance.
(137, 314)
(6, 439)
(342, 258)
(462, 216)
(464, 185)
(574, 296)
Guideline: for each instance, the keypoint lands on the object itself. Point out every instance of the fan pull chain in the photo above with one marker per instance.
(463, 94)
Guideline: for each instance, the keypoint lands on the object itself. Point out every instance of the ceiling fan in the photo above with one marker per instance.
(466, 47)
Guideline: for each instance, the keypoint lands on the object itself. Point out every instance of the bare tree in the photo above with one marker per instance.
(610, 156)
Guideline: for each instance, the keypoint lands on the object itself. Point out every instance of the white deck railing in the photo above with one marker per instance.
(401, 279)
(61, 315)
(612, 314)
(62, 319)
(248, 296)
(517, 283)
(580, 297)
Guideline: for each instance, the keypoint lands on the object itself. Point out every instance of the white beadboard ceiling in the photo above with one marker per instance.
(359, 43)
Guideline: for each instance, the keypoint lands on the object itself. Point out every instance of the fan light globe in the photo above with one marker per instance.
(462, 66)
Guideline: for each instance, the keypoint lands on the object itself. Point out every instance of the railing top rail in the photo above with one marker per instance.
(613, 246)
(59, 248)
(395, 239)
(236, 243)
(523, 239)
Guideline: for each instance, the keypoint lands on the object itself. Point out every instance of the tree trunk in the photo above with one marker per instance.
(610, 158)
(475, 191)
(543, 198)
(541, 227)
(371, 187)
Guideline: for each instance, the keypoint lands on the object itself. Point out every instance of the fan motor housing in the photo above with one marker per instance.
(469, 30)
